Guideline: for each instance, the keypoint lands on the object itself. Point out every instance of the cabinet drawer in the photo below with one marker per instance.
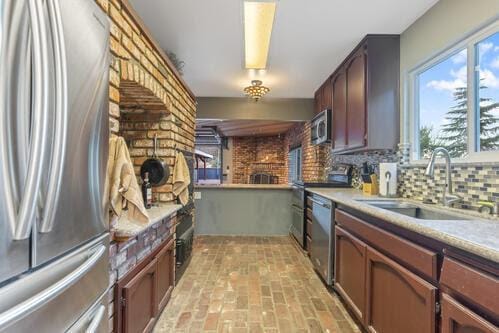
(476, 286)
(308, 227)
(309, 244)
(309, 202)
(309, 213)
(420, 259)
(457, 318)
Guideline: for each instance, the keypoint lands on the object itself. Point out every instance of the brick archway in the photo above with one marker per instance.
(140, 90)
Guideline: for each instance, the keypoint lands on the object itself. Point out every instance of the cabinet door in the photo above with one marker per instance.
(140, 307)
(339, 125)
(318, 100)
(458, 319)
(356, 100)
(397, 300)
(165, 274)
(350, 271)
(327, 95)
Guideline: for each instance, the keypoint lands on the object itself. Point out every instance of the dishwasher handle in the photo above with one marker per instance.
(323, 204)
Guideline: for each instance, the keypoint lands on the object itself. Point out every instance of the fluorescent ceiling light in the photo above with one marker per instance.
(258, 21)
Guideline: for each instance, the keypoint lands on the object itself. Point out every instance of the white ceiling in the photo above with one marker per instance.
(309, 40)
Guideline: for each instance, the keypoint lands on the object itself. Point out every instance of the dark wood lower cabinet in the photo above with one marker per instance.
(165, 274)
(396, 299)
(456, 318)
(140, 305)
(142, 293)
(350, 271)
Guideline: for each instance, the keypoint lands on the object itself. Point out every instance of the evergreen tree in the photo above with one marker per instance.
(454, 132)
(427, 141)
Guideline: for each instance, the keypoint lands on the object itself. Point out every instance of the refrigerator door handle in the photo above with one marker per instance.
(61, 103)
(27, 207)
(96, 320)
(42, 298)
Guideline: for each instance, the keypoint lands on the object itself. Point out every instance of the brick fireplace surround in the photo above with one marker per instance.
(269, 154)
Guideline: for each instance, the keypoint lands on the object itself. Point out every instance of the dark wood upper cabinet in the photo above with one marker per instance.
(397, 300)
(327, 95)
(356, 100)
(339, 128)
(165, 274)
(369, 93)
(456, 318)
(140, 301)
(350, 271)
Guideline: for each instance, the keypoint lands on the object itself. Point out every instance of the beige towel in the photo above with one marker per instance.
(123, 187)
(181, 179)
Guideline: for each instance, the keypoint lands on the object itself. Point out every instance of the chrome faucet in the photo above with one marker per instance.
(449, 198)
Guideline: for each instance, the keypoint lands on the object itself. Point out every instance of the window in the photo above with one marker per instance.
(294, 164)
(456, 100)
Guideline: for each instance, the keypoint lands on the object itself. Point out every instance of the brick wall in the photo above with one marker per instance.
(124, 256)
(313, 157)
(259, 154)
(147, 96)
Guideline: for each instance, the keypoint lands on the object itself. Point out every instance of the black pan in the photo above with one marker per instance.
(158, 170)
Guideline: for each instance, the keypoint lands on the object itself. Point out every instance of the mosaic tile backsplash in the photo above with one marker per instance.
(473, 182)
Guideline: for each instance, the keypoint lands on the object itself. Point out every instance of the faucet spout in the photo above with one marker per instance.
(449, 197)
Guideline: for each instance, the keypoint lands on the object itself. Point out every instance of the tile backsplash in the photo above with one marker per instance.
(474, 182)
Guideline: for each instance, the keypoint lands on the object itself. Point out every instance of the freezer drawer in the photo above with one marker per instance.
(53, 298)
(95, 320)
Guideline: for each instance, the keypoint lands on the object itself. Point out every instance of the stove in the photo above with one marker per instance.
(339, 177)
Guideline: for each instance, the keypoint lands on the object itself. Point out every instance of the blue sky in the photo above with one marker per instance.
(437, 83)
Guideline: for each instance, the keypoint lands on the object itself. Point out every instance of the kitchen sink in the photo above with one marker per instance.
(412, 210)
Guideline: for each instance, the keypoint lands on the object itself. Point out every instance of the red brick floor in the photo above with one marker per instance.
(252, 284)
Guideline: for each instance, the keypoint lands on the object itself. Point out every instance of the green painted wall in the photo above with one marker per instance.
(243, 212)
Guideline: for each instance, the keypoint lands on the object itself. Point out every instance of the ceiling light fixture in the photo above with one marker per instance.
(258, 21)
(256, 90)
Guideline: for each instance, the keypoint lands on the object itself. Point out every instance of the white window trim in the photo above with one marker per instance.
(412, 94)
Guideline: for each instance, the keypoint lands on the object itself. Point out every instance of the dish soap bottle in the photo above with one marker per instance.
(147, 191)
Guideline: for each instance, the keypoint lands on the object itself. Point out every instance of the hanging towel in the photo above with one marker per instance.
(123, 187)
(181, 179)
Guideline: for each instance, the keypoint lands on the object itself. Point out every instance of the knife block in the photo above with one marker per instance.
(370, 188)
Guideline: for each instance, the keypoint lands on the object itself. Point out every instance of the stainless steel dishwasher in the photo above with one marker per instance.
(322, 250)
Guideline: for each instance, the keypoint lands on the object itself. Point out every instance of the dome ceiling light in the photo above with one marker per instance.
(256, 90)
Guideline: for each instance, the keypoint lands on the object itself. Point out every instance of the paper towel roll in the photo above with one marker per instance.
(388, 179)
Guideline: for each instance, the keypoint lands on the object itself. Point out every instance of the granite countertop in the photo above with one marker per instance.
(245, 186)
(477, 235)
(124, 228)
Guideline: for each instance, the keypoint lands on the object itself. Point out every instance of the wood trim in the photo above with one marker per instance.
(477, 287)
(454, 314)
(136, 18)
(414, 256)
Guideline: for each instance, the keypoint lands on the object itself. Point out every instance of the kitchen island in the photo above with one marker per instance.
(242, 209)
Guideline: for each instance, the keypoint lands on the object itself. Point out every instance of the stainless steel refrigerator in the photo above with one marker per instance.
(54, 63)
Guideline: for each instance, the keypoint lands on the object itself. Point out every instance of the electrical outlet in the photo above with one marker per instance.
(197, 195)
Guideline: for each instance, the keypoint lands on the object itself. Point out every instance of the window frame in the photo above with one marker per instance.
(473, 139)
(298, 151)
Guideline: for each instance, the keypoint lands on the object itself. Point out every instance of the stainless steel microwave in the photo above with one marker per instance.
(321, 127)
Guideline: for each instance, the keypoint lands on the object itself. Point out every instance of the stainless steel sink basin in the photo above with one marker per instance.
(412, 210)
